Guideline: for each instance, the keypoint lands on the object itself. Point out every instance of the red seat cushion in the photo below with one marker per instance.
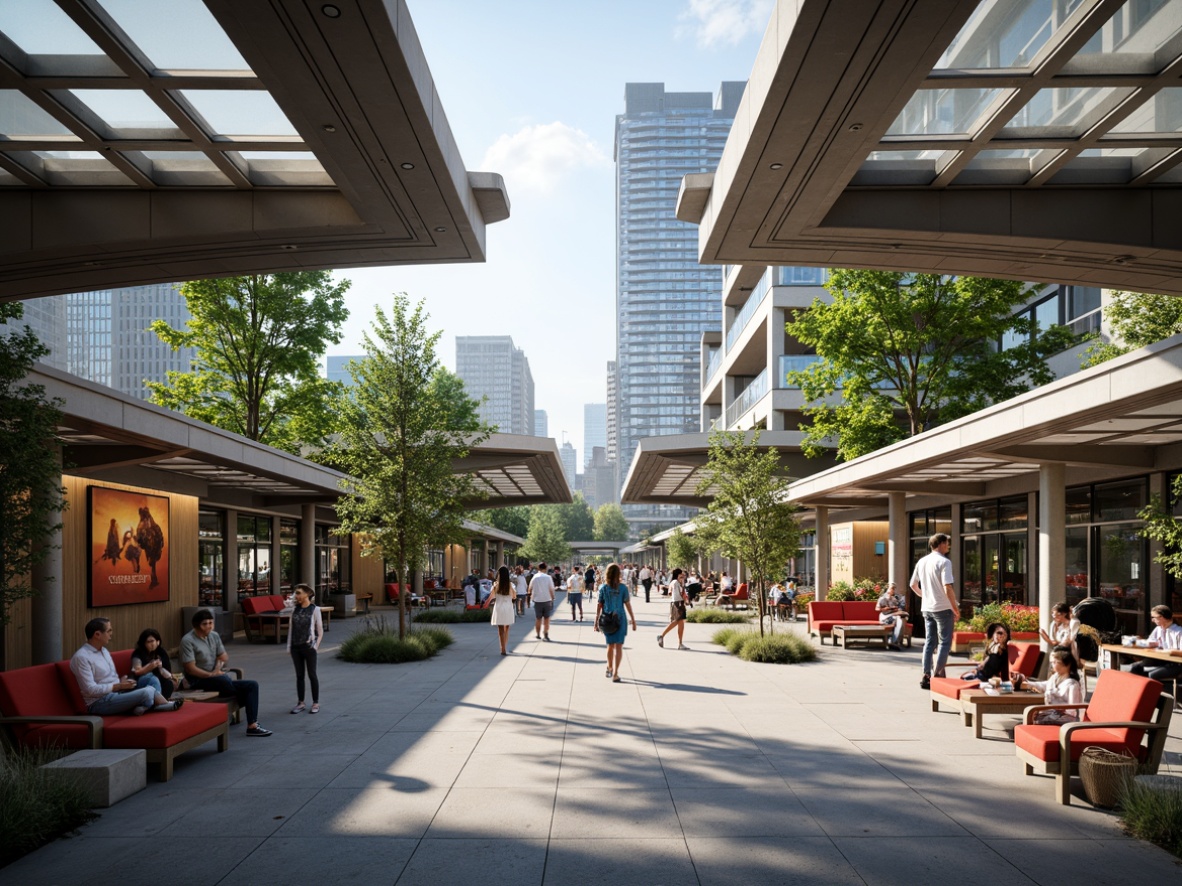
(276, 601)
(823, 611)
(250, 605)
(1025, 658)
(952, 687)
(1043, 741)
(859, 610)
(68, 684)
(164, 729)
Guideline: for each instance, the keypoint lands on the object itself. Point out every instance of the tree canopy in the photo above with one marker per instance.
(258, 341)
(610, 523)
(577, 520)
(513, 519)
(1136, 319)
(546, 539)
(399, 442)
(30, 473)
(922, 346)
(682, 551)
(747, 514)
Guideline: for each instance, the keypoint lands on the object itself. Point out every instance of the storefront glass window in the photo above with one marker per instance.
(254, 555)
(289, 554)
(211, 556)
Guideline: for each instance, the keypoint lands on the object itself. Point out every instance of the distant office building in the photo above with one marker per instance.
(337, 368)
(613, 412)
(665, 300)
(104, 335)
(594, 429)
(599, 480)
(570, 462)
(495, 371)
(541, 423)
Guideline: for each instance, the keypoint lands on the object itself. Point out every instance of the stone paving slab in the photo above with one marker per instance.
(533, 768)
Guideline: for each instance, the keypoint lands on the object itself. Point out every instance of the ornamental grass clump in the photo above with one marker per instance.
(718, 617)
(1152, 810)
(378, 643)
(37, 805)
(768, 649)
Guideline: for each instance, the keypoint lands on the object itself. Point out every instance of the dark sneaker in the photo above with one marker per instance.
(258, 731)
(139, 710)
(926, 682)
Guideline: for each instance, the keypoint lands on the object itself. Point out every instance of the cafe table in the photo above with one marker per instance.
(1118, 653)
(975, 703)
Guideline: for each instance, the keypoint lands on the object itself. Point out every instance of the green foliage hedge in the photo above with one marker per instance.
(718, 617)
(769, 649)
(378, 643)
(37, 805)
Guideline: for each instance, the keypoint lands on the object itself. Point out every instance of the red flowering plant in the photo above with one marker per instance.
(1016, 617)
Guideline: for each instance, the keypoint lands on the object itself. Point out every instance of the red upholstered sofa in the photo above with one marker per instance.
(962, 641)
(1025, 658)
(256, 620)
(42, 706)
(1127, 713)
(824, 614)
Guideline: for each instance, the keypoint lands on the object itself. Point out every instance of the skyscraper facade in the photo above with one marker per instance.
(541, 423)
(495, 371)
(569, 457)
(665, 300)
(594, 429)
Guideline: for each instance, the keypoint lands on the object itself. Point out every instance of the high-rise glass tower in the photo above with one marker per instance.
(495, 371)
(594, 429)
(665, 300)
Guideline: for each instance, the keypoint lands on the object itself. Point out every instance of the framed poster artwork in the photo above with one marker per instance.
(129, 544)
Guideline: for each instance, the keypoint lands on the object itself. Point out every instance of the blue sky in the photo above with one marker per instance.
(531, 89)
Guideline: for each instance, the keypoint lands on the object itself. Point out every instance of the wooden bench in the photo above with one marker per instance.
(364, 600)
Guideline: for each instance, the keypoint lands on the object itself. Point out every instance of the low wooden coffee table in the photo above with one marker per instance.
(842, 634)
(975, 703)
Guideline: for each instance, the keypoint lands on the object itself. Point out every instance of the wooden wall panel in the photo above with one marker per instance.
(868, 564)
(129, 620)
(18, 636)
(367, 573)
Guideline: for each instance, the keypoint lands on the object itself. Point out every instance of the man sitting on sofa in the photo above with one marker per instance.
(103, 690)
(204, 659)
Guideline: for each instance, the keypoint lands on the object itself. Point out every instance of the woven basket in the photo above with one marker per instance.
(1105, 774)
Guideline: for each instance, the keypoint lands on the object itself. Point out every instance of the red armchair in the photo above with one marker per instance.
(1026, 658)
(1127, 713)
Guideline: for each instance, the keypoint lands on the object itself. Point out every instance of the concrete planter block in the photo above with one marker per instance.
(109, 776)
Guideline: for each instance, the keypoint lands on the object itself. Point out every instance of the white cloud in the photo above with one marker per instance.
(715, 22)
(537, 158)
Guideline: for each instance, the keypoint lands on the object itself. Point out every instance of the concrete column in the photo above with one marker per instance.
(47, 604)
(275, 578)
(822, 551)
(308, 545)
(775, 350)
(1052, 547)
(898, 541)
(957, 553)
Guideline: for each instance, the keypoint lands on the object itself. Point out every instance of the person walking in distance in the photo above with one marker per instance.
(522, 584)
(541, 590)
(574, 593)
(932, 582)
(646, 580)
(501, 601)
(676, 611)
(614, 601)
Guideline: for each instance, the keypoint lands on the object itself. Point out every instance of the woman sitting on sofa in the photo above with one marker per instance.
(997, 656)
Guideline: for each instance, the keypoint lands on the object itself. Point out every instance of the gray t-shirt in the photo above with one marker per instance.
(203, 651)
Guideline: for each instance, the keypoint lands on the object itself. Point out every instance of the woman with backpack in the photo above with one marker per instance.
(614, 601)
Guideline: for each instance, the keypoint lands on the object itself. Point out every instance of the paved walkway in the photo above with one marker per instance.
(535, 769)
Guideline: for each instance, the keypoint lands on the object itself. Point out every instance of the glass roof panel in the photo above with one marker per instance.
(1162, 113)
(239, 113)
(1140, 27)
(177, 35)
(39, 27)
(71, 168)
(21, 117)
(125, 109)
(1063, 112)
(942, 111)
(8, 179)
(276, 169)
(1005, 34)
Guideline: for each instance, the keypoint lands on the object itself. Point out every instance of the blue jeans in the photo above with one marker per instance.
(144, 695)
(246, 691)
(937, 624)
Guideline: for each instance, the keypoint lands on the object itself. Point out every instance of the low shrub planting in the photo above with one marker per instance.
(378, 643)
(717, 617)
(1153, 812)
(1015, 617)
(37, 805)
(453, 616)
(781, 648)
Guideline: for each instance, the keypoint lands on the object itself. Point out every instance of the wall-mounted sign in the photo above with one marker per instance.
(129, 534)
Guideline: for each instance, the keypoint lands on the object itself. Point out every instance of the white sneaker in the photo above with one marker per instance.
(683, 646)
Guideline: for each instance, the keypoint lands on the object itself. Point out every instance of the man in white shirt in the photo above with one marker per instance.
(1167, 637)
(646, 579)
(932, 581)
(103, 690)
(522, 589)
(541, 589)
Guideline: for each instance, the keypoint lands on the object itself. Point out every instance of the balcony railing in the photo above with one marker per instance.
(752, 395)
(758, 294)
(793, 363)
(712, 364)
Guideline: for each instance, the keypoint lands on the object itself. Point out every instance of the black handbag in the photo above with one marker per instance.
(609, 621)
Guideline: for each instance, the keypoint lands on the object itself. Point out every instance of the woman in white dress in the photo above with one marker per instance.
(503, 611)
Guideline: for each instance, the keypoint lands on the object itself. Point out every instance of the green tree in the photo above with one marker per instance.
(921, 346)
(258, 341)
(30, 474)
(681, 550)
(1161, 525)
(577, 520)
(747, 513)
(546, 538)
(513, 519)
(398, 444)
(1136, 319)
(463, 410)
(610, 523)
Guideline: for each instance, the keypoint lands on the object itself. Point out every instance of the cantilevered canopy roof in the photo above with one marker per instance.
(667, 470)
(1028, 139)
(145, 141)
(1121, 417)
(512, 469)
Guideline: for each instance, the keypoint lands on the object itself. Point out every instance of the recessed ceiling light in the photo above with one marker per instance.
(290, 247)
(331, 11)
(407, 165)
(776, 166)
(328, 127)
(441, 230)
(855, 127)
